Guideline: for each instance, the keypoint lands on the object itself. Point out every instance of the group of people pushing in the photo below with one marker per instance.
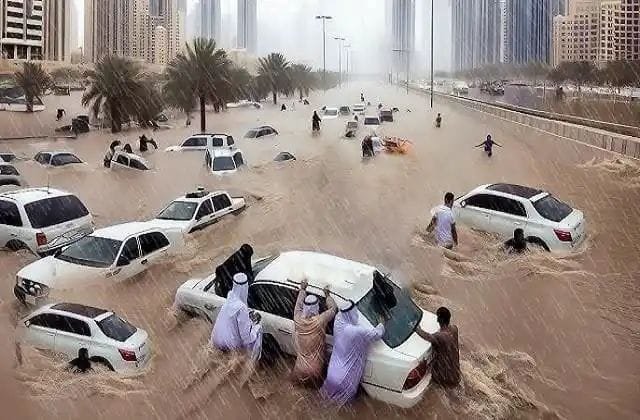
(143, 146)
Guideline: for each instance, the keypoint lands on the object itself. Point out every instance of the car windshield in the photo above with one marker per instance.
(91, 251)
(117, 328)
(371, 121)
(64, 159)
(178, 210)
(395, 305)
(251, 134)
(552, 209)
(55, 210)
(223, 163)
(331, 112)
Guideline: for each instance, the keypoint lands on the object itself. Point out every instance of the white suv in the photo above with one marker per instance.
(503, 208)
(397, 369)
(42, 220)
(204, 142)
(65, 328)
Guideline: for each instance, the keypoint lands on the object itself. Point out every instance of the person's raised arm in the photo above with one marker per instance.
(480, 145)
(425, 335)
(300, 301)
(246, 327)
(332, 309)
(499, 145)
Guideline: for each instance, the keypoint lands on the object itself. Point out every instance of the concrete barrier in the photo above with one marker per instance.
(617, 142)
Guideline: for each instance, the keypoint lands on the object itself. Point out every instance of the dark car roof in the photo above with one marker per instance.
(518, 190)
(78, 309)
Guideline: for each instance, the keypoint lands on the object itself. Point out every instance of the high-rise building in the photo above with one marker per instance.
(476, 28)
(403, 32)
(247, 36)
(160, 45)
(627, 31)
(157, 7)
(210, 19)
(57, 30)
(21, 29)
(529, 28)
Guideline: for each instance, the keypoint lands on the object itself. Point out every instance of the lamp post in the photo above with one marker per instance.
(408, 55)
(324, 19)
(431, 53)
(348, 48)
(340, 41)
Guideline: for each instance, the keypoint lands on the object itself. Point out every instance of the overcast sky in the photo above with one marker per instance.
(289, 27)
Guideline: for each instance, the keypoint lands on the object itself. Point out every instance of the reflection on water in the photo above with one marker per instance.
(540, 333)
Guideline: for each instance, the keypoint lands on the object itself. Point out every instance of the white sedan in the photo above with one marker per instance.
(112, 254)
(200, 142)
(503, 208)
(330, 113)
(65, 328)
(197, 210)
(398, 366)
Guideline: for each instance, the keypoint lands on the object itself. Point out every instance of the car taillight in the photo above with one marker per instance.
(416, 375)
(563, 235)
(41, 239)
(128, 355)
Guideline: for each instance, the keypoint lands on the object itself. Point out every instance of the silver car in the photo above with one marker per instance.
(9, 175)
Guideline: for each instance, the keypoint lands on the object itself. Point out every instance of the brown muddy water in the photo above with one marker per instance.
(542, 336)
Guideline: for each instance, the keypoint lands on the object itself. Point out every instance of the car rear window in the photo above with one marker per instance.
(117, 328)
(224, 163)
(218, 142)
(371, 121)
(251, 134)
(8, 170)
(552, 209)
(55, 210)
(401, 314)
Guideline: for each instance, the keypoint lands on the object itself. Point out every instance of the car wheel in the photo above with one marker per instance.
(102, 361)
(271, 352)
(539, 242)
(15, 245)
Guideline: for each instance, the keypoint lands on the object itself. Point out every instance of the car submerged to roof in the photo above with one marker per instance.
(126, 160)
(371, 120)
(48, 158)
(502, 208)
(358, 109)
(330, 113)
(398, 366)
(111, 254)
(65, 328)
(42, 220)
(222, 162)
(9, 175)
(197, 210)
(262, 131)
(199, 142)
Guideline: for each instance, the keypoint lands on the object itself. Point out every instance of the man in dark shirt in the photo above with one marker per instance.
(81, 364)
(445, 368)
(517, 244)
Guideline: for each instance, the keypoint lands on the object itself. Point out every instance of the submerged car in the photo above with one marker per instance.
(197, 210)
(503, 208)
(65, 328)
(9, 175)
(358, 109)
(199, 142)
(345, 111)
(221, 162)
(330, 113)
(122, 159)
(397, 367)
(56, 158)
(371, 120)
(7, 157)
(111, 254)
(259, 132)
(386, 115)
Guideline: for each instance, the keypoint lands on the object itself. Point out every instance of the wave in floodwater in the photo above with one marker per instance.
(625, 171)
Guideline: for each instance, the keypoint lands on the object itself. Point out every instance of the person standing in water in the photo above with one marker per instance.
(309, 336)
(80, 364)
(488, 145)
(517, 244)
(444, 222)
(438, 120)
(445, 368)
(315, 121)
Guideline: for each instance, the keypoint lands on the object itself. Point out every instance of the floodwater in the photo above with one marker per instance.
(542, 336)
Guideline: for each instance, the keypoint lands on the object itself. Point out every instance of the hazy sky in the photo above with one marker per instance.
(289, 27)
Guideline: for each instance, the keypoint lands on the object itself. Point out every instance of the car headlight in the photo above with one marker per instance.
(33, 288)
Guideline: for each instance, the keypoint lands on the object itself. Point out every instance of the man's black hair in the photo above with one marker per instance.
(448, 197)
(444, 316)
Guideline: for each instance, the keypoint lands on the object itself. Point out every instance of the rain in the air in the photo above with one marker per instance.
(326, 209)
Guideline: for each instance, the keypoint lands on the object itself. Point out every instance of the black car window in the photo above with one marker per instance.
(117, 328)
(55, 210)
(207, 159)
(195, 142)
(62, 159)
(552, 209)
(44, 320)
(482, 201)
(237, 158)
(151, 242)
(276, 300)
(131, 250)
(9, 214)
(123, 160)
(217, 142)
(263, 132)
(8, 170)
(136, 164)
(73, 326)
(223, 163)
(43, 158)
(230, 141)
(205, 209)
(221, 202)
(509, 206)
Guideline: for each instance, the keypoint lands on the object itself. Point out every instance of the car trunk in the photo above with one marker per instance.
(415, 346)
(575, 224)
(139, 344)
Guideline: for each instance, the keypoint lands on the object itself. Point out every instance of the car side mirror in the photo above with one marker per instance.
(463, 204)
(27, 323)
(123, 261)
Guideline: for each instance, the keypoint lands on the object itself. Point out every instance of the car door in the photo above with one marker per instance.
(40, 331)
(204, 215)
(11, 227)
(476, 211)
(71, 335)
(221, 205)
(275, 304)
(153, 247)
(508, 216)
(131, 253)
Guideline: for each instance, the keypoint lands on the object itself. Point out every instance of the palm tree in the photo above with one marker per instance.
(274, 70)
(117, 86)
(302, 79)
(203, 71)
(34, 81)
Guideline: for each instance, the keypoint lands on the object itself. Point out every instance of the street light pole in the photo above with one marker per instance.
(324, 48)
(431, 53)
(348, 48)
(340, 40)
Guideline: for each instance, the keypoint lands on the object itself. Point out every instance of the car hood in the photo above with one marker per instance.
(182, 225)
(58, 274)
(415, 346)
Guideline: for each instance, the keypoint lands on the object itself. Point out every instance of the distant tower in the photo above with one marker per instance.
(247, 36)
(403, 31)
(210, 19)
